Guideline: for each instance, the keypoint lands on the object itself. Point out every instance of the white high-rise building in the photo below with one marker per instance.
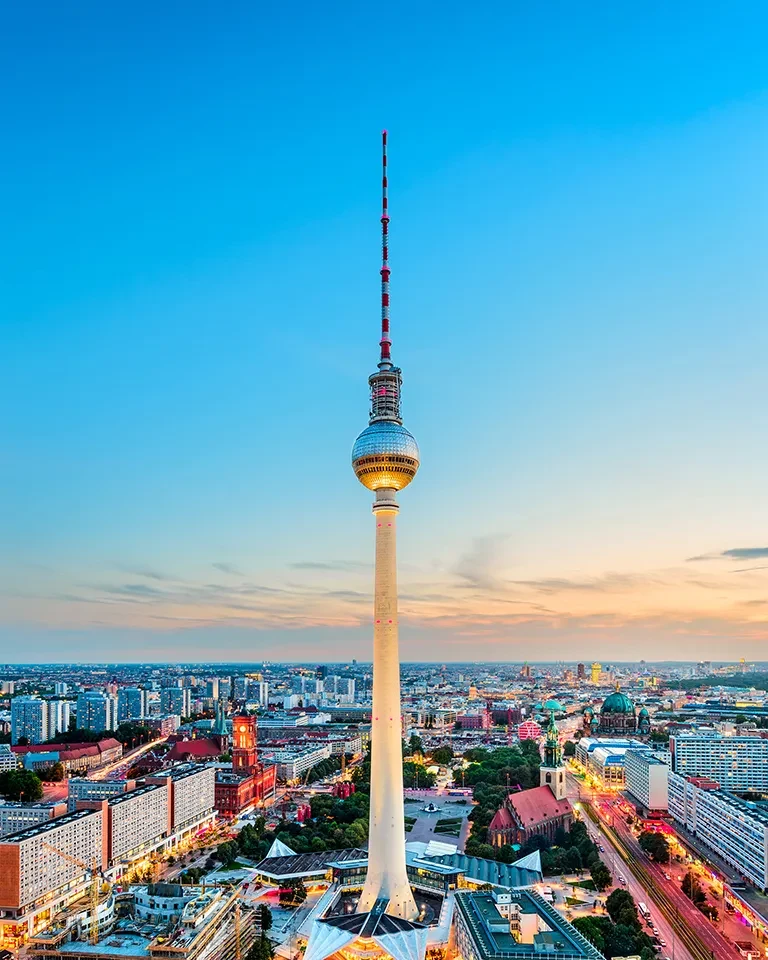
(736, 763)
(735, 829)
(59, 712)
(646, 776)
(262, 692)
(29, 719)
(96, 711)
(60, 688)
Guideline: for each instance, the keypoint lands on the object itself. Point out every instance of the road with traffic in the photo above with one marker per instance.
(685, 928)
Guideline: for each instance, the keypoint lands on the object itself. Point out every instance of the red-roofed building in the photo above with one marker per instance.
(527, 813)
(184, 751)
(74, 757)
(541, 810)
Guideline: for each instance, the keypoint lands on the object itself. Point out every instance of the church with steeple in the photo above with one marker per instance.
(541, 810)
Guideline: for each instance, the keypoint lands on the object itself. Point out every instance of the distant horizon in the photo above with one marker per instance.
(403, 663)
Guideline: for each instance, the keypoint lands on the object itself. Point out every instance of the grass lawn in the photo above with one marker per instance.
(449, 821)
(452, 830)
(235, 865)
(574, 902)
(584, 884)
(410, 820)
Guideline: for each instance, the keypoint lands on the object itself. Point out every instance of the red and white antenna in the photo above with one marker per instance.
(385, 342)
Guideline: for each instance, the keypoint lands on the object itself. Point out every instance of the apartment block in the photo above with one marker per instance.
(8, 759)
(292, 764)
(646, 777)
(735, 829)
(29, 720)
(59, 712)
(131, 704)
(737, 763)
(16, 816)
(138, 820)
(39, 861)
(192, 790)
(176, 700)
(96, 711)
(79, 789)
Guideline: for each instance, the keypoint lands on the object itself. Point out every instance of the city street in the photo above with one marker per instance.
(686, 930)
(673, 949)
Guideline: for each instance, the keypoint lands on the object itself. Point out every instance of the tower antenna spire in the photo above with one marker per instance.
(385, 343)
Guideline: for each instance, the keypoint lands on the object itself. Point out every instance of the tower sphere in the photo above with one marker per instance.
(385, 455)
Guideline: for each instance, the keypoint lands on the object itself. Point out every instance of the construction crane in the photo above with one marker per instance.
(93, 889)
(487, 720)
(238, 952)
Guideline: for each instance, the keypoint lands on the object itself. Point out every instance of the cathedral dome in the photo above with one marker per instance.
(617, 702)
(554, 705)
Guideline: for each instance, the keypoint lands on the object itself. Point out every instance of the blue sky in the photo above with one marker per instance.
(189, 306)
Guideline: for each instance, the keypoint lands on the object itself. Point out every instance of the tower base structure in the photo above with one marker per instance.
(364, 936)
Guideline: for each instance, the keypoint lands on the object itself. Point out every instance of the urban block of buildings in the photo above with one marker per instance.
(45, 866)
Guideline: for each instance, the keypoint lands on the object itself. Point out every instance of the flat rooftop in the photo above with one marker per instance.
(47, 826)
(130, 795)
(480, 914)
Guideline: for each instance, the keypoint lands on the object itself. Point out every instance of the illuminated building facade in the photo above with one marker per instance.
(248, 782)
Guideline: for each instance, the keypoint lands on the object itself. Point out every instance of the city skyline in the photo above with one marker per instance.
(579, 244)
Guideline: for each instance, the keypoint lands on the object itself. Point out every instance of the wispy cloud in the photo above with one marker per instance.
(147, 572)
(608, 583)
(737, 554)
(479, 565)
(228, 568)
(747, 553)
(330, 565)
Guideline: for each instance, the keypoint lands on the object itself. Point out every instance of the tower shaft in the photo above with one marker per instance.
(386, 878)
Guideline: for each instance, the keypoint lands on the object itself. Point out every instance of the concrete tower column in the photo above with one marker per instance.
(386, 878)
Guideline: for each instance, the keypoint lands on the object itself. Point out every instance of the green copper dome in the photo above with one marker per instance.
(554, 705)
(617, 702)
(644, 712)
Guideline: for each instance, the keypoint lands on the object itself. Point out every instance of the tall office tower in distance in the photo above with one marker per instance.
(96, 711)
(385, 459)
(29, 719)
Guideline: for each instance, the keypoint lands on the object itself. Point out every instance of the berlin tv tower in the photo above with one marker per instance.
(385, 459)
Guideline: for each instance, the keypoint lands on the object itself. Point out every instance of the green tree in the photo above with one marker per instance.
(415, 744)
(621, 908)
(20, 785)
(52, 774)
(261, 950)
(442, 755)
(266, 917)
(569, 748)
(601, 875)
(655, 845)
(416, 775)
(294, 894)
(592, 929)
(693, 889)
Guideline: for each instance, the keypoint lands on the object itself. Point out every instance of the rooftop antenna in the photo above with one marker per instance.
(385, 342)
